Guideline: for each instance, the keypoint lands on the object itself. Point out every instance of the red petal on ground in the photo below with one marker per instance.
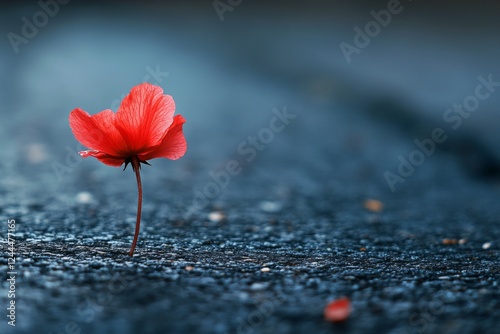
(338, 310)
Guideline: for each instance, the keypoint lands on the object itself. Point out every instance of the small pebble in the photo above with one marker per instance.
(258, 286)
(462, 241)
(216, 216)
(373, 205)
(447, 241)
(270, 207)
(84, 197)
(486, 245)
(265, 270)
(189, 268)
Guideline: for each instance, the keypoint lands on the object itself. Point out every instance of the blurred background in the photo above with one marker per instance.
(228, 66)
(360, 98)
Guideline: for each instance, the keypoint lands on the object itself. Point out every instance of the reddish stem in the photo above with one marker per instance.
(136, 165)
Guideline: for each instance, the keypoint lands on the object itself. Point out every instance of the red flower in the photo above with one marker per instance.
(338, 310)
(143, 128)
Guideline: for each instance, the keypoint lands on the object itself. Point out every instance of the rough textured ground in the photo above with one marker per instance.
(284, 237)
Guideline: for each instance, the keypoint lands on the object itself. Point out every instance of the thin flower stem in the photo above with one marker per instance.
(136, 165)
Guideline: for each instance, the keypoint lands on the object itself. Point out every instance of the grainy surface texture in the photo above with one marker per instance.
(265, 250)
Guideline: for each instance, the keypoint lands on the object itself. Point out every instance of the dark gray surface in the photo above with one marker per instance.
(296, 209)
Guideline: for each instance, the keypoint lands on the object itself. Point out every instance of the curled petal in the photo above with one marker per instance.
(88, 153)
(173, 145)
(144, 116)
(97, 132)
(103, 157)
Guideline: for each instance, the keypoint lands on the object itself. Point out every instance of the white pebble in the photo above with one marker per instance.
(84, 197)
(216, 216)
(486, 245)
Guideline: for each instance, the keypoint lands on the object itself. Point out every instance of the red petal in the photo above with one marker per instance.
(103, 157)
(97, 132)
(338, 310)
(144, 116)
(173, 145)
